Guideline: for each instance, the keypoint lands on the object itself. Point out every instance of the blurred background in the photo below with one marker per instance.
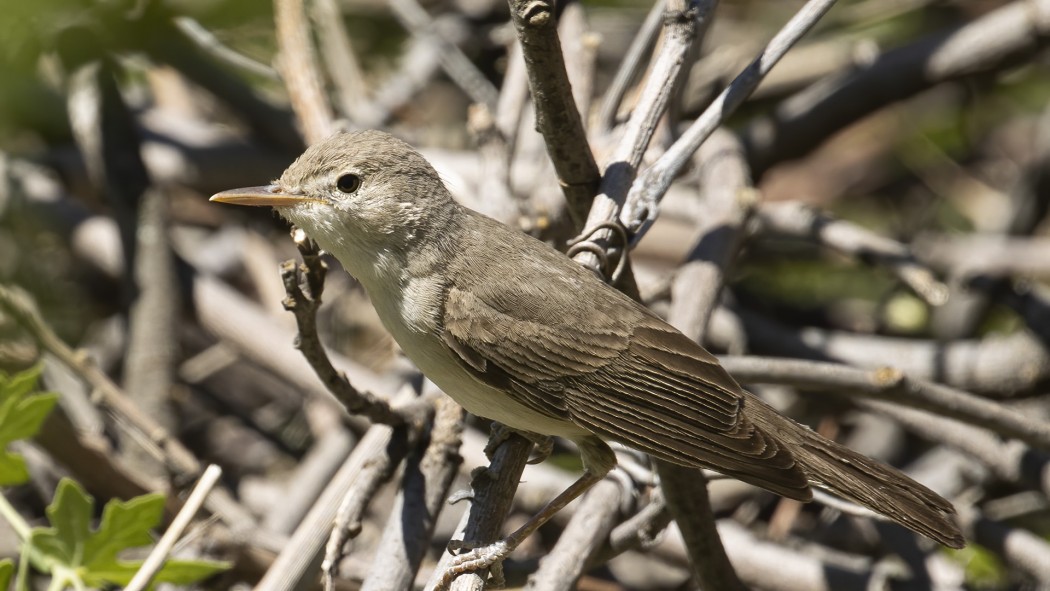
(923, 122)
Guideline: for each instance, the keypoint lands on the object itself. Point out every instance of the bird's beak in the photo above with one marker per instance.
(270, 195)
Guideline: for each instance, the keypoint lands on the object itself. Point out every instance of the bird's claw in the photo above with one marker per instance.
(490, 557)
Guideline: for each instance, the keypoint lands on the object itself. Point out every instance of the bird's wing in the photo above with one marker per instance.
(635, 380)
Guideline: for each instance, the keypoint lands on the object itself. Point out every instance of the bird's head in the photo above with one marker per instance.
(356, 193)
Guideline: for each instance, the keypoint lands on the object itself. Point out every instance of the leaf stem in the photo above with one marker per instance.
(8, 512)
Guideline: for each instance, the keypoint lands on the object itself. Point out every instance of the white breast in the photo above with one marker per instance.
(412, 318)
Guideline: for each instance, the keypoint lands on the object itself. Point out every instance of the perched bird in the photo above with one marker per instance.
(517, 332)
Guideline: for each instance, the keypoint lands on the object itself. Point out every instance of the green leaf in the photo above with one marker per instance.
(21, 414)
(124, 525)
(71, 550)
(7, 569)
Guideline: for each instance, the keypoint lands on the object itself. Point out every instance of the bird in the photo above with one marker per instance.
(517, 332)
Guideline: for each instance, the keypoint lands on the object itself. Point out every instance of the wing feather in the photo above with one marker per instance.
(634, 380)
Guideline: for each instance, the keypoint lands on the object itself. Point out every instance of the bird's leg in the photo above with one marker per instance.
(598, 460)
(486, 556)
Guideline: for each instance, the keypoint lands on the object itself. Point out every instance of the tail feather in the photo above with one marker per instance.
(864, 481)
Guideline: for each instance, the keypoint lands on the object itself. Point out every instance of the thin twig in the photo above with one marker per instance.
(304, 284)
(209, 43)
(424, 490)
(455, 63)
(491, 497)
(556, 116)
(629, 67)
(793, 218)
(372, 462)
(650, 186)
(298, 67)
(684, 23)
(159, 555)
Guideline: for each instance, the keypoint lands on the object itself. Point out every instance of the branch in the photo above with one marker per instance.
(424, 490)
(995, 41)
(684, 24)
(649, 188)
(556, 116)
(892, 385)
(298, 67)
(797, 219)
(304, 284)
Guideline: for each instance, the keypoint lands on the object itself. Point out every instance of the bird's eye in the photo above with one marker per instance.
(348, 183)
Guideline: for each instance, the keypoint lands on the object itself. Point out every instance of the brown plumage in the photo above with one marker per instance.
(517, 332)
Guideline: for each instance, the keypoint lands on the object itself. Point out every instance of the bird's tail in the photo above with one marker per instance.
(864, 481)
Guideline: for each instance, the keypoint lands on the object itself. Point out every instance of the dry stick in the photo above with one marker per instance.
(304, 304)
(172, 452)
(684, 24)
(372, 462)
(153, 340)
(423, 492)
(892, 385)
(1019, 547)
(997, 40)
(159, 554)
(344, 69)
(793, 218)
(727, 205)
(588, 529)
(298, 67)
(211, 45)
(556, 116)
(172, 46)
(649, 188)
(997, 366)
(455, 63)
(1010, 460)
(629, 67)
(580, 52)
(492, 495)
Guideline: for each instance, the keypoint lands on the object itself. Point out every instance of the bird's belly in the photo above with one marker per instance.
(491, 403)
(411, 321)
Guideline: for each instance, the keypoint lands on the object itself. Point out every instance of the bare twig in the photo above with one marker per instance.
(556, 116)
(298, 67)
(629, 67)
(492, 493)
(304, 284)
(797, 219)
(210, 44)
(892, 385)
(991, 43)
(372, 462)
(159, 555)
(995, 365)
(652, 184)
(455, 63)
(684, 24)
(424, 490)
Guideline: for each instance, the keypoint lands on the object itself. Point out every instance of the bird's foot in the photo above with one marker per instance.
(500, 433)
(490, 556)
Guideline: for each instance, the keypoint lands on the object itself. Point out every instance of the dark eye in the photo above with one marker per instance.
(348, 183)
